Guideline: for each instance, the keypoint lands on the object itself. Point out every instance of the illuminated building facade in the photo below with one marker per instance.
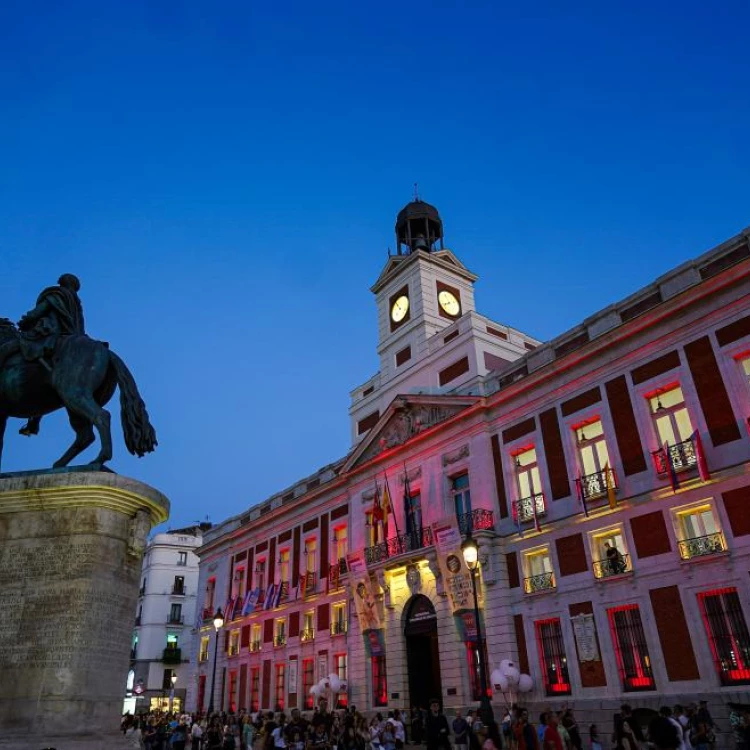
(603, 474)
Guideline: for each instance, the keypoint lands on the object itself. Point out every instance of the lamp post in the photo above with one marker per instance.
(471, 558)
(173, 678)
(218, 624)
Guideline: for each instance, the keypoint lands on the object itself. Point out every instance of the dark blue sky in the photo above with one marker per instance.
(224, 178)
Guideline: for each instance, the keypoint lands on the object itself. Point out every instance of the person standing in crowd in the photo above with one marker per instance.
(278, 734)
(571, 727)
(460, 731)
(704, 716)
(563, 732)
(594, 738)
(399, 730)
(542, 728)
(663, 734)
(388, 735)
(416, 726)
(196, 735)
(666, 713)
(679, 714)
(524, 732)
(436, 728)
(552, 738)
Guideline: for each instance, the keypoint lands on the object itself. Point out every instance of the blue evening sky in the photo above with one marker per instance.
(224, 178)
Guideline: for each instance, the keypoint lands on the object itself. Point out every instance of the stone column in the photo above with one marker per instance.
(71, 546)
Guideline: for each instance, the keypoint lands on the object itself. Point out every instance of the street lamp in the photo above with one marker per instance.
(218, 624)
(471, 558)
(171, 691)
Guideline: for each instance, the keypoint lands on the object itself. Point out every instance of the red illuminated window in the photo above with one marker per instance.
(255, 689)
(551, 647)
(727, 631)
(472, 660)
(280, 686)
(379, 684)
(233, 692)
(633, 661)
(308, 680)
(340, 661)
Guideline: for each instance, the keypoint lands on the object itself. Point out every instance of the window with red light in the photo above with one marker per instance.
(472, 660)
(233, 691)
(308, 680)
(554, 663)
(280, 686)
(255, 689)
(633, 661)
(340, 662)
(728, 634)
(379, 683)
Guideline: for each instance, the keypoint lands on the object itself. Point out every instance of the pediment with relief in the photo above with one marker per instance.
(406, 417)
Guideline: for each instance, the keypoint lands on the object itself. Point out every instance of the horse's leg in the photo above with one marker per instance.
(3, 422)
(84, 437)
(84, 406)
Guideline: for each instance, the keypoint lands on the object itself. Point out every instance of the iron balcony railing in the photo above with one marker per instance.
(307, 635)
(175, 620)
(338, 628)
(255, 645)
(539, 582)
(612, 567)
(172, 656)
(681, 455)
(525, 507)
(476, 520)
(311, 583)
(178, 591)
(398, 545)
(592, 486)
(699, 546)
(279, 640)
(234, 649)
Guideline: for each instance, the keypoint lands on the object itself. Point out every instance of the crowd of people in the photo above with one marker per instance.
(675, 728)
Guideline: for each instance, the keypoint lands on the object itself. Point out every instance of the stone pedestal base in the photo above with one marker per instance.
(71, 546)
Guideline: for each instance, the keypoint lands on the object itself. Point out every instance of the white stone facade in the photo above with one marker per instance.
(166, 615)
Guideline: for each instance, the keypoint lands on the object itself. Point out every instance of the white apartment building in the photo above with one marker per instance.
(164, 621)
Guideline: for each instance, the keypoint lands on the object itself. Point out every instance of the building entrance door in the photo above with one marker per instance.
(422, 652)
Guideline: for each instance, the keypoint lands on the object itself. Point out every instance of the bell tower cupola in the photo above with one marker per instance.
(418, 227)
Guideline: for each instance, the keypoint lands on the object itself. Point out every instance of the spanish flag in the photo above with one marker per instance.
(387, 507)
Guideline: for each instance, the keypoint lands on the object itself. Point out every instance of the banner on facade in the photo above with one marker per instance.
(375, 643)
(456, 576)
(584, 630)
(292, 677)
(467, 627)
(365, 603)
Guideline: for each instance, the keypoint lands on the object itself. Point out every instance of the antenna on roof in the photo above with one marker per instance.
(416, 191)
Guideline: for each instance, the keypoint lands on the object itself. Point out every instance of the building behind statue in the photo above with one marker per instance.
(603, 474)
(165, 621)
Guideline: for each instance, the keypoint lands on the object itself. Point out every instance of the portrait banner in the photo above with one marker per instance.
(292, 677)
(365, 602)
(456, 576)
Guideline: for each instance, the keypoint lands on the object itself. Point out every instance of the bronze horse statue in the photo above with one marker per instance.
(81, 377)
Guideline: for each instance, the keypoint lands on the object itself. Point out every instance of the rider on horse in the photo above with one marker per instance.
(58, 312)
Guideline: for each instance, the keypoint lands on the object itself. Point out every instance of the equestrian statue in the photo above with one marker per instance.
(48, 362)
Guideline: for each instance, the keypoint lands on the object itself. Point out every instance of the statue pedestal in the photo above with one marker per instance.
(71, 546)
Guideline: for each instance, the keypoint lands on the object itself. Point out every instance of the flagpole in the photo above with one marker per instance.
(582, 496)
(407, 500)
(390, 504)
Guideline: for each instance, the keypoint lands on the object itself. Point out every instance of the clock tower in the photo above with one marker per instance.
(431, 341)
(422, 289)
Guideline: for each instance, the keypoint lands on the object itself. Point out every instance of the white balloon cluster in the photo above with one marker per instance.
(332, 683)
(508, 679)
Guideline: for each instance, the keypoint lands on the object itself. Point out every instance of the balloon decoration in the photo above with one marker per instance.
(509, 681)
(335, 682)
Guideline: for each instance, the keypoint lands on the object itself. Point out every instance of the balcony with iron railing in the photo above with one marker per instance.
(701, 546)
(307, 635)
(398, 545)
(279, 640)
(478, 519)
(595, 486)
(175, 619)
(172, 656)
(524, 508)
(254, 646)
(609, 568)
(538, 583)
(178, 590)
(311, 583)
(336, 572)
(682, 456)
(338, 628)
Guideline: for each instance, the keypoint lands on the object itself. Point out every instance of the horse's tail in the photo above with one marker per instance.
(140, 436)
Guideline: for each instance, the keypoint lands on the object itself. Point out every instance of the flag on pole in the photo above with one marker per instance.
(700, 457)
(611, 499)
(517, 517)
(377, 513)
(387, 507)
(673, 478)
(582, 495)
(533, 508)
(408, 510)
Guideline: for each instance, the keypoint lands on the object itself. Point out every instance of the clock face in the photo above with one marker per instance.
(449, 303)
(400, 308)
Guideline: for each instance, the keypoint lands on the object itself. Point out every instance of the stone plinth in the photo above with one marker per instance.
(71, 546)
